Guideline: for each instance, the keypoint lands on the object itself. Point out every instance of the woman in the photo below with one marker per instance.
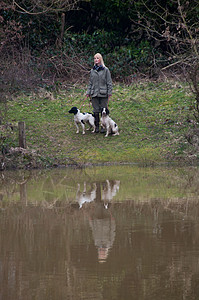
(99, 87)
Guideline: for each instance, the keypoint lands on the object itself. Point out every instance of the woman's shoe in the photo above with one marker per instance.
(102, 130)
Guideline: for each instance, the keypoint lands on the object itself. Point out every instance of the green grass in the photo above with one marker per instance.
(152, 119)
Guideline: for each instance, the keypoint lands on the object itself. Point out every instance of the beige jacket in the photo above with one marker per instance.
(100, 83)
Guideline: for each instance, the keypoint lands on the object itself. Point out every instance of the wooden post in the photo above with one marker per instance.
(22, 135)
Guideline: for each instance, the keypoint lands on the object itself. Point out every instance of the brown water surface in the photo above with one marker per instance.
(111, 233)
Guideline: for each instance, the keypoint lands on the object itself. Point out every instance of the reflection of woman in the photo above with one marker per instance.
(103, 227)
(104, 234)
(99, 87)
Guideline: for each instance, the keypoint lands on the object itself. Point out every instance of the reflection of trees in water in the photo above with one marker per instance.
(39, 242)
(13, 185)
(55, 186)
(56, 248)
(163, 258)
(53, 248)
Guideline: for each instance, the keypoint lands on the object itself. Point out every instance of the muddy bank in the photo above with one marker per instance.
(27, 159)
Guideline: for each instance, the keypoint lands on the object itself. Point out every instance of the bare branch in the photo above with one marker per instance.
(171, 65)
(23, 10)
(181, 34)
(192, 40)
(48, 6)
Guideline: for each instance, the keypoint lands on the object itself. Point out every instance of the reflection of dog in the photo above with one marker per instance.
(107, 123)
(82, 118)
(109, 191)
(85, 196)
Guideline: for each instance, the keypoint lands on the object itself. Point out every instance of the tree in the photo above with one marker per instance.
(46, 7)
(175, 26)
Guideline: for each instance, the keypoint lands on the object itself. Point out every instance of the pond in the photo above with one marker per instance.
(111, 233)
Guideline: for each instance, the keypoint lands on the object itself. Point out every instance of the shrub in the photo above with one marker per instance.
(123, 56)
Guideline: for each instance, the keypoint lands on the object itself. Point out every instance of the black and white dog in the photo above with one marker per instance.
(87, 195)
(82, 118)
(107, 123)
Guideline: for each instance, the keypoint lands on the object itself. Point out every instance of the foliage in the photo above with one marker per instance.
(131, 59)
(10, 29)
(29, 30)
(122, 57)
(102, 40)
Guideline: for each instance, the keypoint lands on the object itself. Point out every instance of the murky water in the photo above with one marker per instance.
(116, 233)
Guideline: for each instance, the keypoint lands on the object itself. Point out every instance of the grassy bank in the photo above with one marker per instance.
(153, 119)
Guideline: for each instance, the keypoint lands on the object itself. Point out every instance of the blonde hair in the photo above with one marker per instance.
(101, 58)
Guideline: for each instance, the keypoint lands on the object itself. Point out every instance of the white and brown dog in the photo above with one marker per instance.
(87, 195)
(82, 118)
(107, 123)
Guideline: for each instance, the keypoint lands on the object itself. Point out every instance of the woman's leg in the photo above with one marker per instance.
(96, 111)
(96, 116)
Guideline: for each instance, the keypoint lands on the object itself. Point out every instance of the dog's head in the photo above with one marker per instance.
(73, 110)
(104, 111)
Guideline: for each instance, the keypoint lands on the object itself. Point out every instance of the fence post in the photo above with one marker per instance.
(22, 135)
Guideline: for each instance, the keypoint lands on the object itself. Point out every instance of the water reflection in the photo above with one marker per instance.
(101, 221)
(92, 191)
(56, 227)
(87, 195)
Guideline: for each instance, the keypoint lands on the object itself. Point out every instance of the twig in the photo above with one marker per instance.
(171, 65)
